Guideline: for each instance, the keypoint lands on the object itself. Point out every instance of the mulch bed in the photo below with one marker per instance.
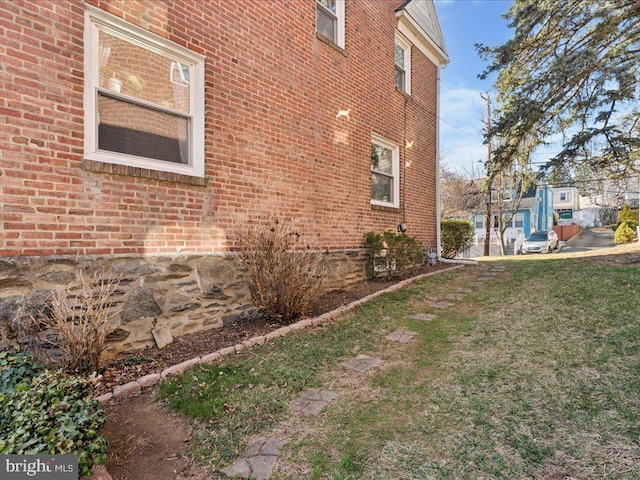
(130, 366)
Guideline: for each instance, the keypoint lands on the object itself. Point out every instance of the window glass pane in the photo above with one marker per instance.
(479, 223)
(518, 220)
(326, 24)
(399, 78)
(399, 57)
(328, 4)
(129, 69)
(381, 187)
(134, 130)
(381, 159)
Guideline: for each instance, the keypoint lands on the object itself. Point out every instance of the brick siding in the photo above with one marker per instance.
(288, 127)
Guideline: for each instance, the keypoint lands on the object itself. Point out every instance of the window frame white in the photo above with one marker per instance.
(395, 164)
(403, 43)
(98, 20)
(339, 38)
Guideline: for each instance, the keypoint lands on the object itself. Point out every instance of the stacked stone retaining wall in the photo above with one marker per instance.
(187, 293)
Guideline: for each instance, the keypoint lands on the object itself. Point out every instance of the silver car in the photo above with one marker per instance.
(540, 242)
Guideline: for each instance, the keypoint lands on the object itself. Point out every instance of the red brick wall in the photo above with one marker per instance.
(276, 142)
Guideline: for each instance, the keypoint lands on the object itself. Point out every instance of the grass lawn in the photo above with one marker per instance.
(535, 374)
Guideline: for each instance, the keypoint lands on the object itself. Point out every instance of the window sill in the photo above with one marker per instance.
(406, 95)
(129, 171)
(383, 208)
(331, 43)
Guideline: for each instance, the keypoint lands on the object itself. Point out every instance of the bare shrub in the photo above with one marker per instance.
(285, 271)
(80, 321)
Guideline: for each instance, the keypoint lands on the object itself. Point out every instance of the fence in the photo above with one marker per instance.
(565, 232)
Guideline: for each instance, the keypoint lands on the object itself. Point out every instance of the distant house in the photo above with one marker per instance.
(535, 213)
(566, 201)
(143, 135)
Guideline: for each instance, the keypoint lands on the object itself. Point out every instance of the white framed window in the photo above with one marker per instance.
(518, 220)
(479, 223)
(385, 172)
(330, 20)
(402, 60)
(563, 196)
(144, 98)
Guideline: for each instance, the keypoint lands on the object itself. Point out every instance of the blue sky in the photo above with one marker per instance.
(465, 23)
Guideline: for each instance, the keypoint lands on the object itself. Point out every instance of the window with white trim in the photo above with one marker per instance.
(563, 196)
(402, 60)
(385, 172)
(518, 220)
(330, 20)
(144, 98)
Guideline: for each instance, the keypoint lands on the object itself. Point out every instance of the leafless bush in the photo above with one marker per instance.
(79, 321)
(285, 271)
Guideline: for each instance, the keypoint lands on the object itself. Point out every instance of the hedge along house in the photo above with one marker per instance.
(141, 136)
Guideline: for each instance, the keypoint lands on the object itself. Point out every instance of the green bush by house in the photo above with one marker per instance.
(392, 253)
(456, 236)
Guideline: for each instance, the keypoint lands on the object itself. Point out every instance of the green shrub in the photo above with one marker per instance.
(624, 233)
(392, 252)
(49, 413)
(456, 236)
(627, 215)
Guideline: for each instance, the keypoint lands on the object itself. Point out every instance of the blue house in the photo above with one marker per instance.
(535, 213)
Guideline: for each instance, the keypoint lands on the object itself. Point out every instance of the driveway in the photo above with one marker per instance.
(590, 239)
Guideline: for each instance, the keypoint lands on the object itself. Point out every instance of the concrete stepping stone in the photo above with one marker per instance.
(362, 363)
(442, 305)
(424, 317)
(313, 401)
(259, 460)
(464, 290)
(454, 296)
(401, 335)
(477, 284)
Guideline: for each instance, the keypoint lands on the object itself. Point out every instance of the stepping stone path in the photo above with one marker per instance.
(454, 296)
(401, 335)
(362, 363)
(258, 461)
(313, 401)
(465, 290)
(442, 305)
(424, 317)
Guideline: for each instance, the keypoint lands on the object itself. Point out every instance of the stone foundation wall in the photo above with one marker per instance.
(185, 293)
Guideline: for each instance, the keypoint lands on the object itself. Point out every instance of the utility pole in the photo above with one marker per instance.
(487, 125)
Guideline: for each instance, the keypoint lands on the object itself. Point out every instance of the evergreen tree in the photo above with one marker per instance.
(571, 68)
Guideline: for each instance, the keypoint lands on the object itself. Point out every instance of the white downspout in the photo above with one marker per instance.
(438, 244)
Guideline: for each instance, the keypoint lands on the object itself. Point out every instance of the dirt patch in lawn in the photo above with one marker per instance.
(146, 441)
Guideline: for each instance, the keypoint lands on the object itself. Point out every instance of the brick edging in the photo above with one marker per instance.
(153, 378)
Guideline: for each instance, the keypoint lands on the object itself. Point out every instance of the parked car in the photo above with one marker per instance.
(540, 242)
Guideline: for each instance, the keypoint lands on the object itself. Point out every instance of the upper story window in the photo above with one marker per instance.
(563, 196)
(402, 57)
(385, 172)
(330, 20)
(144, 98)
